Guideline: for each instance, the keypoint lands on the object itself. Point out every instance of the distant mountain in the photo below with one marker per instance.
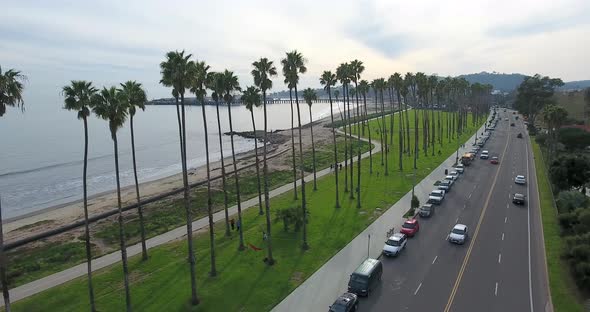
(576, 85)
(500, 81)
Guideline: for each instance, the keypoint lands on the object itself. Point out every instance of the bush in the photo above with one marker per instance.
(568, 201)
(541, 138)
(574, 138)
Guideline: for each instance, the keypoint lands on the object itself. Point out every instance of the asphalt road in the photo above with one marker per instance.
(501, 267)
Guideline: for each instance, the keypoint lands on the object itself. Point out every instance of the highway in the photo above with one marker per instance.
(501, 267)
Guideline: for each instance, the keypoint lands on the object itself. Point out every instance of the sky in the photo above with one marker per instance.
(109, 42)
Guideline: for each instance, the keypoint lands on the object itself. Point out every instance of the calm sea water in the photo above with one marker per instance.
(41, 150)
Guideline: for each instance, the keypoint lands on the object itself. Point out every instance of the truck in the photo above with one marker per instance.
(467, 158)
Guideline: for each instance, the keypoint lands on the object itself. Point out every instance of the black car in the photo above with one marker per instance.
(347, 302)
(518, 199)
(512, 125)
(519, 135)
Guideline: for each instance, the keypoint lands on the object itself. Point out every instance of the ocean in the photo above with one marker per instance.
(42, 149)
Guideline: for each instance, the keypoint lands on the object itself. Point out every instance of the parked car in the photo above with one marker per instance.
(458, 234)
(347, 302)
(445, 185)
(450, 178)
(495, 160)
(410, 227)
(484, 155)
(518, 199)
(395, 244)
(454, 174)
(427, 210)
(460, 168)
(366, 277)
(520, 179)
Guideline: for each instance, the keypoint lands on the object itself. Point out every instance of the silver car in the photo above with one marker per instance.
(520, 179)
(458, 234)
(395, 244)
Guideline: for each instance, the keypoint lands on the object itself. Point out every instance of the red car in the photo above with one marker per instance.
(494, 160)
(410, 227)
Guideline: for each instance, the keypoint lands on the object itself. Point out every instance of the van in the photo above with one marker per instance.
(365, 277)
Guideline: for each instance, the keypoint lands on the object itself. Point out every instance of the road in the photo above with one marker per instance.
(502, 265)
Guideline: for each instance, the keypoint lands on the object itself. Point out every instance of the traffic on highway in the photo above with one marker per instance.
(476, 245)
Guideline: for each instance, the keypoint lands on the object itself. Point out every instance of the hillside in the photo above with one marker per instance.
(502, 82)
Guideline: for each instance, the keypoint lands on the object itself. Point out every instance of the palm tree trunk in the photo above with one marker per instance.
(358, 152)
(391, 120)
(293, 145)
(369, 130)
(260, 212)
(144, 254)
(121, 230)
(315, 186)
(236, 178)
(270, 259)
(384, 133)
(86, 225)
(400, 131)
(187, 207)
(4, 279)
(213, 271)
(347, 96)
(304, 246)
(223, 177)
(416, 150)
(335, 147)
(345, 139)
(380, 128)
(407, 127)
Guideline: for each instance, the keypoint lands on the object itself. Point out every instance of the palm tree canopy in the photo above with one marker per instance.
(343, 73)
(174, 71)
(357, 68)
(78, 97)
(198, 73)
(110, 105)
(230, 85)
(309, 96)
(134, 95)
(263, 70)
(251, 97)
(328, 80)
(11, 90)
(293, 65)
(214, 82)
(364, 87)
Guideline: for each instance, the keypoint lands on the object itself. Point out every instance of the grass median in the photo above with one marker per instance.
(562, 286)
(244, 282)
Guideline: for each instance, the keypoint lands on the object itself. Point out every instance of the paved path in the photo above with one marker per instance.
(320, 290)
(79, 270)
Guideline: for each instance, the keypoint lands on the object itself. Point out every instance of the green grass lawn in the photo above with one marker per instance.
(244, 282)
(563, 288)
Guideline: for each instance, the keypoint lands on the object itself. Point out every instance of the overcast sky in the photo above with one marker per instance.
(108, 42)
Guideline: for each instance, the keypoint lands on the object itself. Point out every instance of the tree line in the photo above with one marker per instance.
(182, 73)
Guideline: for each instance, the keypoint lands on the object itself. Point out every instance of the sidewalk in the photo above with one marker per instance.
(79, 270)
(320, 290)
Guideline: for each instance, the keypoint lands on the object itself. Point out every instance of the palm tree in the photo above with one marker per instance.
(199, 75)
(135, 97)
(328, 80)
(375, 86)
(343, 74)
(432, 84)
(110, 105)
(293, 65)
(380, 85)
(175, 74)
(410, 87)
(309, 96)
(78, 97)
(398, 84)
(251, 98)
(215, 83)
(357, 69)
(364, 89)
(263, 70)
(11, 90)
(230, 85)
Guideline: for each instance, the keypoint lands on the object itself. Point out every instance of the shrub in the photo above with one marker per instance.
(568, 201)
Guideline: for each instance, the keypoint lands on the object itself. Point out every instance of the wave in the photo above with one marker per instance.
(64, 164)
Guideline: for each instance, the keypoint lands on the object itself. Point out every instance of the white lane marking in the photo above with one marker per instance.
(475, 186)
(470, 195)
(433, 261)
(507, 205)
(529, 228)
(499, 258)
(464, 205)
(496, 290)
(502, 236)
(505, 219)
(417, 289)
(457, 221)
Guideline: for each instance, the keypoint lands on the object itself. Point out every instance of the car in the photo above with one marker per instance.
(451, 178)
(395, 244)
(460, 168)
(506, 119)
(427, 210)
(366, 277)
(347, 302)
(445, 185)
(512, 124)
(520, 179)
(484, 155)
(454, 174)
(513, 113)
(410, 227)
(458, 234)
(518, 199)
(519, 135)
(474, 151)
(494, 160)
(436, 197)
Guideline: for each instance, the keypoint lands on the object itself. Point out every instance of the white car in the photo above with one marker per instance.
(451, 178)
(460, 168)
(436, 197)
(395, 244)
(454, 174)
(520, 179)
(458, 234)
(484, 155)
